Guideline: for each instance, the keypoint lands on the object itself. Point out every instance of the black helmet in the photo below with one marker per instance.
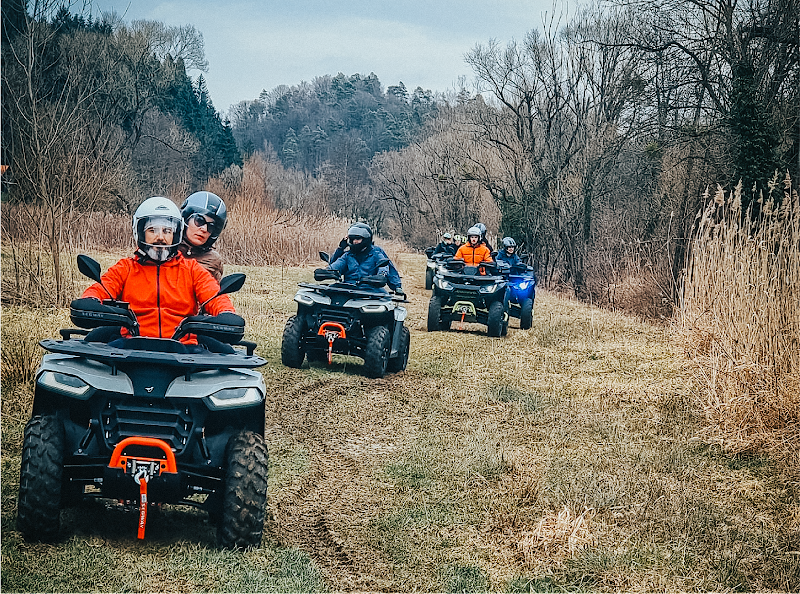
(508, 242)
(360, 231)
(210, 205)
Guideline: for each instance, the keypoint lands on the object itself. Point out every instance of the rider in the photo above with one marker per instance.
(484, 241)
(362, 258)
(507, 257)
(204, 216)
(161, 286)
(474, 252)
(446, 246)
(344, 243)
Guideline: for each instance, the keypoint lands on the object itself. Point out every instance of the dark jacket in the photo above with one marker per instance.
(506, 260)
(445, 248)
(208, 257)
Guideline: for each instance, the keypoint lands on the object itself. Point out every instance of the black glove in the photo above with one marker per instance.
(343, 244)
(229, 319)
(92, 304)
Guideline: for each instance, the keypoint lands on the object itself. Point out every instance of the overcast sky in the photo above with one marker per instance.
(253, 45)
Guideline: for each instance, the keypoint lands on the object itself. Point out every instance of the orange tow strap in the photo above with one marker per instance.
(142, 506)
(331, 331)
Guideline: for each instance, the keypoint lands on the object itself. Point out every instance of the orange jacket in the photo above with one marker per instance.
(473, 256)
(161, 295)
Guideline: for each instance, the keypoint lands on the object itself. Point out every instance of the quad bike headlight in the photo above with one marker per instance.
(488, 288)
(524, 285)
(373, 308)
(444, 284)
(65, 384)
(235, 397)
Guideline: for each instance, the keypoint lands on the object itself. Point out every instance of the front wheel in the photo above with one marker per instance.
(428, 279)
(292, 353)
(39, 504)
(494, 325)
(400, 362)
(376, 356)
(526, 314)
(244, 496)
(435, 314)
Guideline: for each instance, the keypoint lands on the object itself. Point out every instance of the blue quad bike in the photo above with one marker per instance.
(146, 421)
(461, 293)
(360, 319)
(522, 293)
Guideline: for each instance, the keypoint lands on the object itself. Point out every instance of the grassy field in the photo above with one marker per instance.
(562, 458)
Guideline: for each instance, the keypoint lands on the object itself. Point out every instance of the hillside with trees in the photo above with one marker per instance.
(590, 141)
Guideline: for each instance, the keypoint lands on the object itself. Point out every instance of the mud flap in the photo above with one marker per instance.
(397, 335)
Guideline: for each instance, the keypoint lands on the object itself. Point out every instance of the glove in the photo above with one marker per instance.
(343, 244)
(229, 319)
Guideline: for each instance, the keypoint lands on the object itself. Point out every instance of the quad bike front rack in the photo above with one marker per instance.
(143, 468)
(331, 331)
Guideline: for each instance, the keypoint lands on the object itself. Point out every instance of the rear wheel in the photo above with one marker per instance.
(39, 504)
(400, 362)
(244, 496)
(526, 314)
(292, 354)
(494, 325)
(428, 279)
(435, 314)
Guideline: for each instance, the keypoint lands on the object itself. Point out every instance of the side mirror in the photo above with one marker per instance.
(429, 251)
(229, 284)
(325, 257)
(89, 267)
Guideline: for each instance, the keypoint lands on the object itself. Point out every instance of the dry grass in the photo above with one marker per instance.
(740, 325)
(555, 459)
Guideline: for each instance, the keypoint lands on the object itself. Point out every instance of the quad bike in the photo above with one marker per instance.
(434, 261)
(522, 292)
(147, 421)
(461, 293)
(360, 319)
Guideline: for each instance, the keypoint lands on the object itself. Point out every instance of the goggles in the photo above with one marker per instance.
(200, 221)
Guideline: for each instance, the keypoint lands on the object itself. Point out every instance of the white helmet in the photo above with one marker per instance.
(474, 231)
(162, 212)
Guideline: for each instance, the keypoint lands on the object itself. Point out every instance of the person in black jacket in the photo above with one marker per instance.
(446, 246)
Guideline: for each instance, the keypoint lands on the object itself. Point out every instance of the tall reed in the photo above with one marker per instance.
(740, 313)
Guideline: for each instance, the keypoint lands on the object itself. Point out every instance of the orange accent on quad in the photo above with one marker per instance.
(165, 464)
(331, 331)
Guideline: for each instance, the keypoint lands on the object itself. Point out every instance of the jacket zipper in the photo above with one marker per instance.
(158, 297)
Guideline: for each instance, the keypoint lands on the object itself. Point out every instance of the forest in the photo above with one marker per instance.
(592, 141)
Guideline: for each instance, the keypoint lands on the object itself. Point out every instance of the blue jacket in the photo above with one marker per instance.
(355, 266)
(505, 260)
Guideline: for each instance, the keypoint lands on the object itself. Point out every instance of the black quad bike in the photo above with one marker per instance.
(147, 421)
(434, 261)
(461, 293)
(358, 319)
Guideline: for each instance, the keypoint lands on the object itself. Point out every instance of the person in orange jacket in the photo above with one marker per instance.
(160, 284)
(474, 252)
